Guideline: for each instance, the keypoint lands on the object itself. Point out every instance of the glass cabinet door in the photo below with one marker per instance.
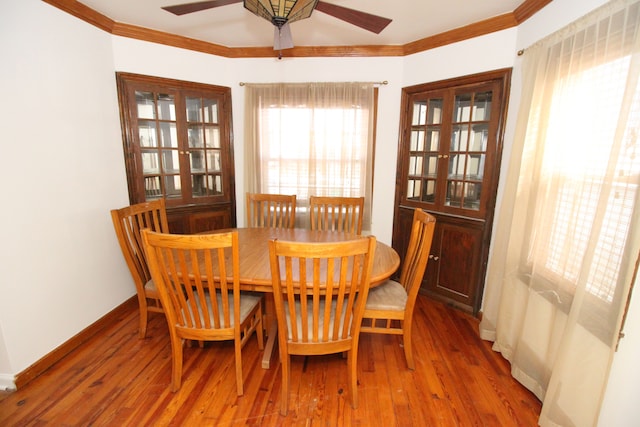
(448, 145)
(158, 140)
(424, 150)
(205, 155)
(468, 149)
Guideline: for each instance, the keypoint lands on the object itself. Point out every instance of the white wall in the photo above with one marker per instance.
(620, 407)
(63, 167)
(485, 53)
(62, 170)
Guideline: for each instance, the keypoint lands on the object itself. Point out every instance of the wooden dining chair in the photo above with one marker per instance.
(319, 292)
(271, 210)
(200, 292)
(336, 213)
(389, 308)
(128, 222)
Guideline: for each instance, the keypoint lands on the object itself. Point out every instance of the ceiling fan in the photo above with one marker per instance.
(282, 12)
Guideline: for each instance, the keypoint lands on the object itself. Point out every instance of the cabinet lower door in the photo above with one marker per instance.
(454, 264)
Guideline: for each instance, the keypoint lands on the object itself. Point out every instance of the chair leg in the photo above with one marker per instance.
(176, 372)
(260, 330)
(408, 349)
(238, 351)
(144, 315)
(352, 376)
(284, 398)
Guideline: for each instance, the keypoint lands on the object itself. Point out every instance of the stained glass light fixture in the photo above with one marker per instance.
(281, 12)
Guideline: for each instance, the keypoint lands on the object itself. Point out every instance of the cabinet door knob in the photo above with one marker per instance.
(435, 258)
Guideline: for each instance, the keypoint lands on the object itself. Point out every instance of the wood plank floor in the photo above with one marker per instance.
(116, 379)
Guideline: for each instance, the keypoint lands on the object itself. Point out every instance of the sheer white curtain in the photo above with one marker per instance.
(566, 247)
(310, 139)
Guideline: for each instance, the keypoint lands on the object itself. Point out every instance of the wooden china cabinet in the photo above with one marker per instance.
(177, 145)
(449, 154)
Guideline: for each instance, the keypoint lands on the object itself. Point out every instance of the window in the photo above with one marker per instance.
(311, 139)
(584, 176)
(590, 176)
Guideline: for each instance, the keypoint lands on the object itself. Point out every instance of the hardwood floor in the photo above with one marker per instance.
(115, 379)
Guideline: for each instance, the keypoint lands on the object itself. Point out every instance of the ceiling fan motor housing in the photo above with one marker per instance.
(278, 21)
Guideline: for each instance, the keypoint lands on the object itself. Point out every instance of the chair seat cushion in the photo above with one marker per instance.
(390, 295)
(247, 303)
(150, 286)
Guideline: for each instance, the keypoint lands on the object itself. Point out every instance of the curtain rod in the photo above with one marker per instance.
(382, 83)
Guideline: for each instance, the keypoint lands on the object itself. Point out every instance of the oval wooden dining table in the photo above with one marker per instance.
(255, 269)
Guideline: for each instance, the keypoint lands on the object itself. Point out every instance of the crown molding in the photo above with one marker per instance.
(529, 8)
(79, 10)
(491, 25)
(508, 20)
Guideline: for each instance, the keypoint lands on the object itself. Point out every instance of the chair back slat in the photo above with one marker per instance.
(337, 213)
(271, 210)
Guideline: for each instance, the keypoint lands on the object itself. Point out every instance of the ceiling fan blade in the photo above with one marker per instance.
(364, 20)
(183, 9)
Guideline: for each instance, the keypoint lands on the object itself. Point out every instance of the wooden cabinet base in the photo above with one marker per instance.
(196, 219)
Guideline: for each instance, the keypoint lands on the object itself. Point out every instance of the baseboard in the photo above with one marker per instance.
(68, 346)
(449, 302)
(7, 382)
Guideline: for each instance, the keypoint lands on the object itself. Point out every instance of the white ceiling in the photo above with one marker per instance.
(234, 26)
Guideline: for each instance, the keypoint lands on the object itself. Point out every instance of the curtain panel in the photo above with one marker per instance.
(310, 139)
(568, 236)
